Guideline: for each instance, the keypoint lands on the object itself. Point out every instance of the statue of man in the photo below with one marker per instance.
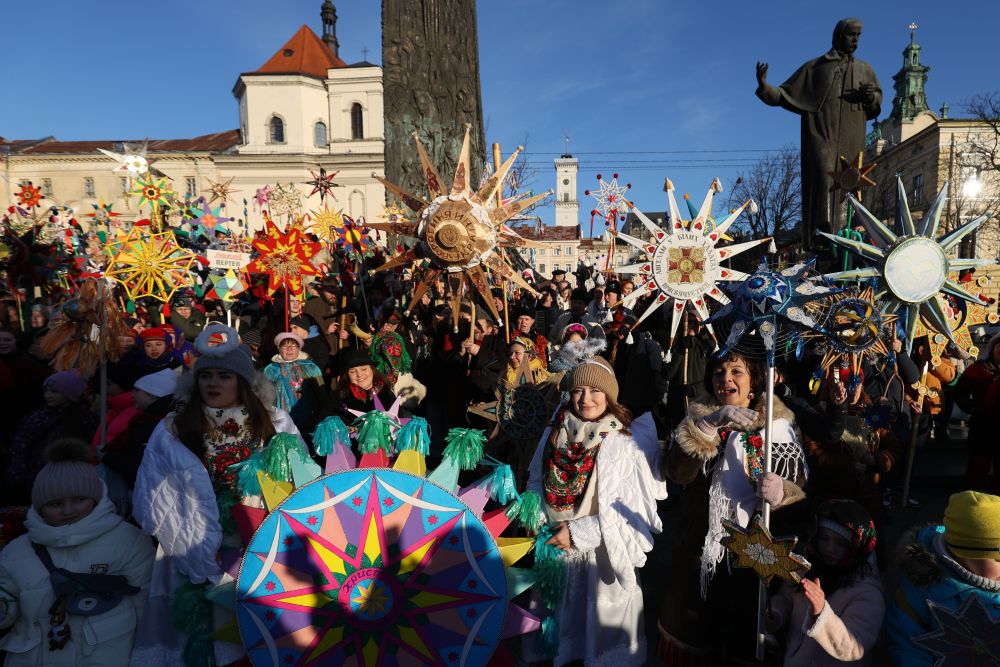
(835, 95)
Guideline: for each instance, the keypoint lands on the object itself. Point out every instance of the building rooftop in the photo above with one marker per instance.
(304, 53)
(547, 233)
(215, 143)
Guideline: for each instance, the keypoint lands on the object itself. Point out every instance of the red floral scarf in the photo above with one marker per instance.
(569, 459)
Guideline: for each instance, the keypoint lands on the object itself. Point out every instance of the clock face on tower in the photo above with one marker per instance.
(565, 181)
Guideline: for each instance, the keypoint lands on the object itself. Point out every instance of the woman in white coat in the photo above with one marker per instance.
(185, 478)
(595, 471)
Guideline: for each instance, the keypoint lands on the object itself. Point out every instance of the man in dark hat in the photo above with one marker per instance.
(185, 316)
(524, 319)
(577, 315)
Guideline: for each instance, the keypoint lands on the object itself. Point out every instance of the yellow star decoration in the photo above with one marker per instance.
(394, 214)
(960, 316)
(371, 598)
(756, 549)
(150, 265)
(327, 224)
(221, 190)
(152, 192)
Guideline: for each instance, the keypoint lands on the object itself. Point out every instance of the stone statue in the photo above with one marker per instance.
(430, 61)
(835, 95)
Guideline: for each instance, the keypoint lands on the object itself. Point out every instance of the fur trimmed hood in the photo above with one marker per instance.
(917, 561)
(262, 387)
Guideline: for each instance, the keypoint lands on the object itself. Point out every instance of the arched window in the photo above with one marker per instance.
(319, 132)
(357, 122)
(277, 130)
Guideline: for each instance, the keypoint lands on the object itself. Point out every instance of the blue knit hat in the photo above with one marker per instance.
(220, 347)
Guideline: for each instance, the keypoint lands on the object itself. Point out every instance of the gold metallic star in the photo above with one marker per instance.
(756, 549)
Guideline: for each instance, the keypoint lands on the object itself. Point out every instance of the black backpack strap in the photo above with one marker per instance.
(43, 555)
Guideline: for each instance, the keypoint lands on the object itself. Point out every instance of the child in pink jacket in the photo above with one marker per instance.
(835, 615)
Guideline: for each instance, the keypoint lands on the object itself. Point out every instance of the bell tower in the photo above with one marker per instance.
(567, 205)
(328, 13)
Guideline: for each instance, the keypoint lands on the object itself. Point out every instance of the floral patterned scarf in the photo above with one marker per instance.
(569, 458)
(228, 441)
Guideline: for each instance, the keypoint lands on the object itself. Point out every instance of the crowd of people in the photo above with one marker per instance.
(112, 511)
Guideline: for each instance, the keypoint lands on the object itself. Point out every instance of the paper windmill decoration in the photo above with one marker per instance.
(133, 163)
(457, 232)
(322, 183)
(28, 195)
(327, 225)
(522, 410)
(353, 239)
(853, 331)
(960, 315)
(221, 191)
(285, 200)
(767, 299)
(380, 563)
(966, 637)
(150, 265)
(207, 220)
(852, 176)
(284, 257)
(152, 192)
(103, 213)
(262, 195)
(912, 267)
(225, 287)
(756, 549)
(684, 262)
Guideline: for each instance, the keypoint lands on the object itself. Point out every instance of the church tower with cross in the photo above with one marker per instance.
(567, 205)
(910, 82)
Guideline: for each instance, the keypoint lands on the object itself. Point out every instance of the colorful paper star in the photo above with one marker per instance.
(150, 265)
(756, 549)
(131, 162)
(393, 214)
(261, 195)
(225, 287)
(285, 200)
(322, 183)
(965, 637)
(284, 257)
(353, 239)
(961, 316)
(221, 191)
(28, 195)
(327, 224)
(152, 192)
(103, 213)
(210, 219)
(611, 203)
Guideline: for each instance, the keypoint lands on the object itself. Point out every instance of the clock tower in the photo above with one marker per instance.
(567, 205)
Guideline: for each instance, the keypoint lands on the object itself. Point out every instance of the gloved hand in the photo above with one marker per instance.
(771, 488)
(726, 415)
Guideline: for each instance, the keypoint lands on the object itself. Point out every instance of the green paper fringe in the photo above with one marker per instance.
(331, 433)
(549, 569)
(226, 500)
(198, 651)
(526, 510)
(465, 447)
(191, 613)
(502, 487)
(374, 432)
(277, 455)
(414, 435)
(246, 476)
(549, 639)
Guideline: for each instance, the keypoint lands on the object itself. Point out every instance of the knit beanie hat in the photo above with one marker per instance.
(68, 473)
(220, 347)
(153, 333)
(67, 383)
(158, 384)
(287, 335)
(972, 525)
(596, 373)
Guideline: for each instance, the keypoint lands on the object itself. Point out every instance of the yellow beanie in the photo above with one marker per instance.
(972, 525)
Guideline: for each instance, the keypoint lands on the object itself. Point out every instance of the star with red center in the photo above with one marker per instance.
(285, 258)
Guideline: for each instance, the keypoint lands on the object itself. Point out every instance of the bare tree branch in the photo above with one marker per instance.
(773, 182)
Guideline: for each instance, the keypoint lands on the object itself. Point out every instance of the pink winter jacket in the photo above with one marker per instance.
(845, 631)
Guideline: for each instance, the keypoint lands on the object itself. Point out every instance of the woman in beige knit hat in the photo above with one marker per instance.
(595, 468)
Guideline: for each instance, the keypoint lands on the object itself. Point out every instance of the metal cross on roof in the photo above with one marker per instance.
(364, 53)
(913, 25)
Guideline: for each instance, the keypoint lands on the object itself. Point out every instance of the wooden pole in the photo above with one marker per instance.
(766, 509)
(914, 432)
(503, 281)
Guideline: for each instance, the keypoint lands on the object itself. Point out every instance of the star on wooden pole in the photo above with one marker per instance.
(769, 557)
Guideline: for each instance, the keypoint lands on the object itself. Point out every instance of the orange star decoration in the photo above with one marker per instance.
(150, 265)
(284, 257)
(851, 177)
(755, 548)
(327, 224)
(29, 196)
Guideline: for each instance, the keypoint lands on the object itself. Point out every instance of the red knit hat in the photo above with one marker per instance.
(153, 333)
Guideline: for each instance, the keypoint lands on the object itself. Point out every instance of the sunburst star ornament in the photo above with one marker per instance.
(285, 200)
(756, 549)
(327, 224)
(153, 192)
(458, 232)
(684, 262)
(323, 184)
(522, 409)
(960, 315)
(966, 637)
(353, 239)
(28, 195)
(131, 162)
(284, 257)
(221, 191)
(150, 265)
(393, 214)
(911, 265)
(103, 213)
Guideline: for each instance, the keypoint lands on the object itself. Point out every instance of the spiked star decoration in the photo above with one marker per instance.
(225, 287)
(152, 192)
(149, 264)
(768, 298)
(685, 264)
(208, 218)
(221, 191)
(353, 238)
(852, 176)
(394, 214)
(28, 195)
(966, 637)
(131, 162)
(911, 265)
(458, 231)
(285, 200)
(521, 410)
(327, 224)
(284, 257)
(961, 315)
(261, 195)
(611, 203)
(103, 213)
(323, 184)
(756, 549)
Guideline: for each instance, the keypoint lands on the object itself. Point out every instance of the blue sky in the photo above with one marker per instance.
(647, 88)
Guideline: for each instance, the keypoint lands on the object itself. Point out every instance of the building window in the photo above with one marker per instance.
(541, 252)
(319, 134)
(541, 268)
(276, 130)
(569, 251)
(569, 267)
(88, 186)
(47, 187)
(565, 196)
(918, 188)
(191, 186)
(357, 122)
(123, 185)
(556, 251)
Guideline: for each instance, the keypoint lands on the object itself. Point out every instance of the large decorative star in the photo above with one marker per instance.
(852, 176)
(966, 636)
(611, 203)
(322, 183)
(285, 200)
(960, 315)
(103, 213)
(261, 195)
(28, 195)
(327, 225)
(521, 410)
(208, 218)
(225, 287)
(458, 231)
(284, 257)
(684, 261)
(153, 192)
(912, 268)
(150, 265)
(132, 162)
(221, 191)
(756, 549)
(353, 238)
